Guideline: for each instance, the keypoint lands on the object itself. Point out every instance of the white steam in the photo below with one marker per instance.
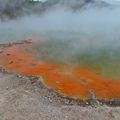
(98, 24)
(90, 36)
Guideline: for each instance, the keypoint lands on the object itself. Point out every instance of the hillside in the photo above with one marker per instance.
(16, 8)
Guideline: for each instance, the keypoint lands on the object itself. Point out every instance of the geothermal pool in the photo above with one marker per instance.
(77, 68)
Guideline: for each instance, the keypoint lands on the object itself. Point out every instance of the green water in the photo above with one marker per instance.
(105, 59)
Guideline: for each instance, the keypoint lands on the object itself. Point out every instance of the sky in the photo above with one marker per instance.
(40, 0)
(109, 1)
(113, 1)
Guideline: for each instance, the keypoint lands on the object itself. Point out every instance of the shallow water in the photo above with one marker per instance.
(80, 51)
(72, 49)
(87, 75)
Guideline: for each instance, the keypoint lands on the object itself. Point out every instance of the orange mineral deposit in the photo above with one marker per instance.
(72, 82)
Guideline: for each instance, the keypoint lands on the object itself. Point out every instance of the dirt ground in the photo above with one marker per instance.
(23, 98)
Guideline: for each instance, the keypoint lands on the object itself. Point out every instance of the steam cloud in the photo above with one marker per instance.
(99, 25)
(71, 34)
